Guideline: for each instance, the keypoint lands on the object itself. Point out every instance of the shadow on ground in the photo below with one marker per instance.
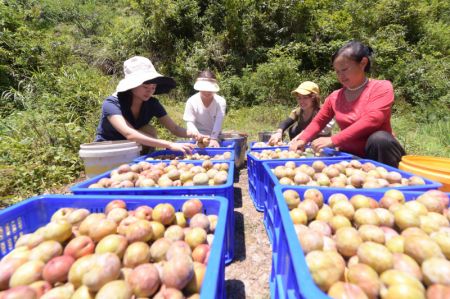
(235, 289)
(237, 173)
(237, 190)
(237, 197)
(239, 237)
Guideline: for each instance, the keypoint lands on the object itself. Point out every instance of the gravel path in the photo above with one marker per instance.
(248, 275)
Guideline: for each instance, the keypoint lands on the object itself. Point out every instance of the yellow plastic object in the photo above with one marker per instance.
(433, 168)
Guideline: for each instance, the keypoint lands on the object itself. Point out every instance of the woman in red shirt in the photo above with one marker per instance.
(362, 109)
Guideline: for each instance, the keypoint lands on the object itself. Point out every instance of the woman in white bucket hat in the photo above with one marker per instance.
(127, 113)
(205, 110)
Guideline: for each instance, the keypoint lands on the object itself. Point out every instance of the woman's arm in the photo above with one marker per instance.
(285, 124)
(124, 128)
(324, 138)
(192, 128)
(326, 132)
(276, 137)
(175, 129)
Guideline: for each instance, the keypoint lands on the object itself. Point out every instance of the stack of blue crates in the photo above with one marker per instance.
(290, 276)
(27, 216)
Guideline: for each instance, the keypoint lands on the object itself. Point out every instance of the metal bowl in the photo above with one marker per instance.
(265, 136)
(241, 145)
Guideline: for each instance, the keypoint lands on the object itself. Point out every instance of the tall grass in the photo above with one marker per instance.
(427, 139)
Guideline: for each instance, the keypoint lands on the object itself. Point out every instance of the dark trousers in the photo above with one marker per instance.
(384, 148)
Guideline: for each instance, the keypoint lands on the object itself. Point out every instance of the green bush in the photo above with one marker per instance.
(88, 17)
(167, 23)
(419, 82)
(271, 82)
(38, 153)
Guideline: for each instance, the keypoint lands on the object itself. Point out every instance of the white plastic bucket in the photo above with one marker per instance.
(99, 157)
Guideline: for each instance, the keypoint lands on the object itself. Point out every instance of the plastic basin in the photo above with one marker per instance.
(433, 168)
(99, 157)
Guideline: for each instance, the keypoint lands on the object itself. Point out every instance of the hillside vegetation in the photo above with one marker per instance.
(60, 58)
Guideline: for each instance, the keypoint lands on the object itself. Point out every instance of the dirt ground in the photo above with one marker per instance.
(248, 275)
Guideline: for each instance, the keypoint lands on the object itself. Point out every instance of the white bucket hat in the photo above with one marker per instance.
(206, 84)
(138, 70)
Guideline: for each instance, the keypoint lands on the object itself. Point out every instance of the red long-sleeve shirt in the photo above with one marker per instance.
(358, 119)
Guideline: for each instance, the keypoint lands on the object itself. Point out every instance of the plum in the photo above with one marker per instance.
(177, 272)
(79, 246)
(375, 255)
(57, 269)
(366, 278)
(118, 289)
(144, 280)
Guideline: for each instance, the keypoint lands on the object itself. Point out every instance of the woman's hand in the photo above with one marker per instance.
(297, 145)
(321, 142)
(275, 138)
(185, 148)
(192, 134)
(214, 143)
(201, 136)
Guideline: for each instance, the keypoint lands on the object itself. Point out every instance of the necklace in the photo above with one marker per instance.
(359, 87)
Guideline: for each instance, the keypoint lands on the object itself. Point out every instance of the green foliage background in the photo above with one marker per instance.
(60, 59)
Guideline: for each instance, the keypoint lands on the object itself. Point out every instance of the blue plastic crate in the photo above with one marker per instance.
(223, 144)
(226, 190)
(270, 181)
(202, 151)
(266, 147)
(290, 276)
(27, 216)
(256, 171)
